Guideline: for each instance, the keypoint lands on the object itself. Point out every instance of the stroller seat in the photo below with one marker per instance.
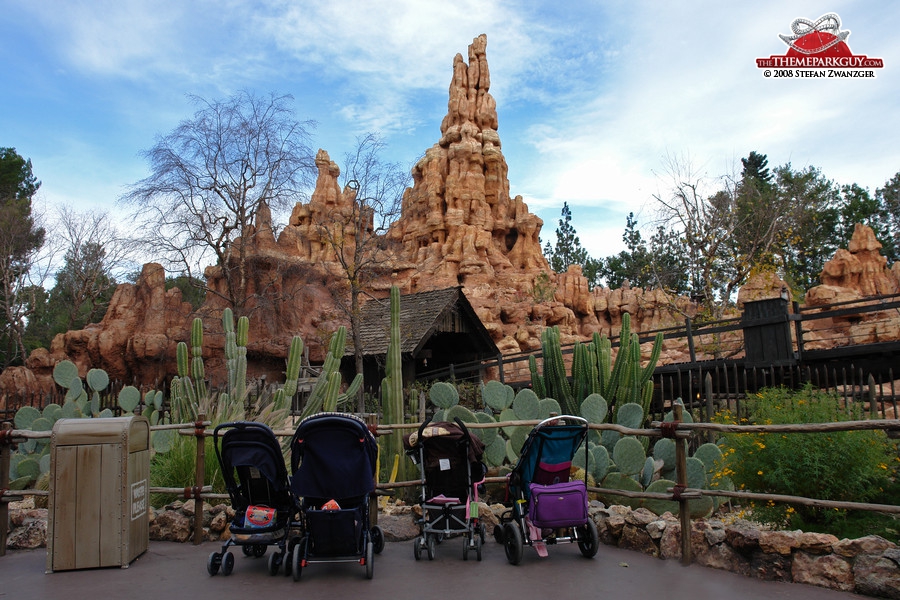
(449, 460)
(548, 508)
(333, 460)
(255, 476)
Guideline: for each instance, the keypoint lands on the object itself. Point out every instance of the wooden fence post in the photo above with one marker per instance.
(710, 408)
(200, 477)
(684, 512)
(5, 455)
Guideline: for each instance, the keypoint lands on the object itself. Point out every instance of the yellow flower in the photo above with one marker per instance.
(759, 472)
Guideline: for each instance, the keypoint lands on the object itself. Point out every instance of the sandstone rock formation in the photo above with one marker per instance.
(459, 225)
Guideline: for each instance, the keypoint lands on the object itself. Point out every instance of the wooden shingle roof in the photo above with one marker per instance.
(421, 315)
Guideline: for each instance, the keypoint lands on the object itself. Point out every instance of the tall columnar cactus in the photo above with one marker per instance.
(392, 406)
(619, 381)
(236, 354)
(326, 394)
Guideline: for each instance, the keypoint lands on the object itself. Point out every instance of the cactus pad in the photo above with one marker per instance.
(629, 456)
(25, 416)
(443, 395)
(64, 373)
(630, 415)
(594, 408)
(497, 395)
(549, 407)
(526, 405)
(661, 486)
(97, 379)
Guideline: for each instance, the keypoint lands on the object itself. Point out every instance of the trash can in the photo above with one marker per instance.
(99, 492)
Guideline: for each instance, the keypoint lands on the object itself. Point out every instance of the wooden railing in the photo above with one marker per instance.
(681, 432)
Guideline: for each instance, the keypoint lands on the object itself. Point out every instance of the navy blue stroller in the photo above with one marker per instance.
(547, 508)
(257, 481)
(449, 460)
(333, 461)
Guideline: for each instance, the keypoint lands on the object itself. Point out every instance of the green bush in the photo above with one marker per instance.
(854, 466)
(176, 469)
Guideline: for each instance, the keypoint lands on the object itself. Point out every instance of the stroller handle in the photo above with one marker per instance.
(550, 420)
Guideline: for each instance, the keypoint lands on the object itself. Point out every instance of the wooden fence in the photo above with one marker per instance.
(679, 431)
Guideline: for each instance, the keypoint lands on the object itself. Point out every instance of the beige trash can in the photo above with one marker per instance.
(99, 492)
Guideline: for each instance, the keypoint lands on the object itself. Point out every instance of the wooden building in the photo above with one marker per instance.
(437, 328)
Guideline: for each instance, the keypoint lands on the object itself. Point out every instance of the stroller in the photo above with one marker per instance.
(547, 507)
(449, 460)
(260, 495)
(333, 461)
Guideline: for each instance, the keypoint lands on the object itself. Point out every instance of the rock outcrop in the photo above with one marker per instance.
(459, 225)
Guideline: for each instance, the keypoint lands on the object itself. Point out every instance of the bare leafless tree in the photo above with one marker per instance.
(96, 258)
(726, 228)
(358, 237)
(209, 178)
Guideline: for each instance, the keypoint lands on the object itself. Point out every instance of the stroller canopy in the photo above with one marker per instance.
(333, 455)
(550, 444)
(251, 444)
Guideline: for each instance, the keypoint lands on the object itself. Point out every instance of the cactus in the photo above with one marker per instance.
(621, 381)
(526, 405)
(497, 395)
(629, 456)
(392, 391)
(548, 408)
(443, 395)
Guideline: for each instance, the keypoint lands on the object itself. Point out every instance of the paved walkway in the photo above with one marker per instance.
(170, 570)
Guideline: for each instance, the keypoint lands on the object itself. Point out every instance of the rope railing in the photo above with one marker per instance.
(675, 429)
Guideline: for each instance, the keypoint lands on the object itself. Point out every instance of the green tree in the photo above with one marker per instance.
(659, 265)
(568, 249)
(808, 236)
(888, 198)
(20, 240)
(210, 178)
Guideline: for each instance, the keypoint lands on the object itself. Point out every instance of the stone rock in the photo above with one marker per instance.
(816, 543)
(829, 571)
(171, 526)
(870, 544)
(878, 575)
(743, 537)
(778, 542)
(29, 535)
(770, 567)
(637, 538)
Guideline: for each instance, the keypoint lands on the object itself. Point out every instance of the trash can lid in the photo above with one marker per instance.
(133, 431)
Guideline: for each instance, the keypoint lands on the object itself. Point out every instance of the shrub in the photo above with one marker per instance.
(849, 466)
(176, 469)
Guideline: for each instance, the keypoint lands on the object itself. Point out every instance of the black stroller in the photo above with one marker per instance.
(333, 461)
(547, 508)
(260, 494)
(449, 460)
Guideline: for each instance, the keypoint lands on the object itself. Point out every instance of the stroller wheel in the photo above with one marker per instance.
(482, 532)
(248, 549)
(377, 534)
(227, 563)
(274, 563)
(417, 547)
(498, 534)
(512, 537)
(429, 546)
(591, 542)
(214, 562)
(478, 544)
(466, 543)
(297, 559)
(370, 560)
(259, 550)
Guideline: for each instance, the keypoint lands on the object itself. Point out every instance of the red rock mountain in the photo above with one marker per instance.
(459, 225)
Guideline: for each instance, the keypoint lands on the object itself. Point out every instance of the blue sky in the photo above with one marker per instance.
(591, 96)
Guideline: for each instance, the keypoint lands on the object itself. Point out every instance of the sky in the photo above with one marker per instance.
(594, 98)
